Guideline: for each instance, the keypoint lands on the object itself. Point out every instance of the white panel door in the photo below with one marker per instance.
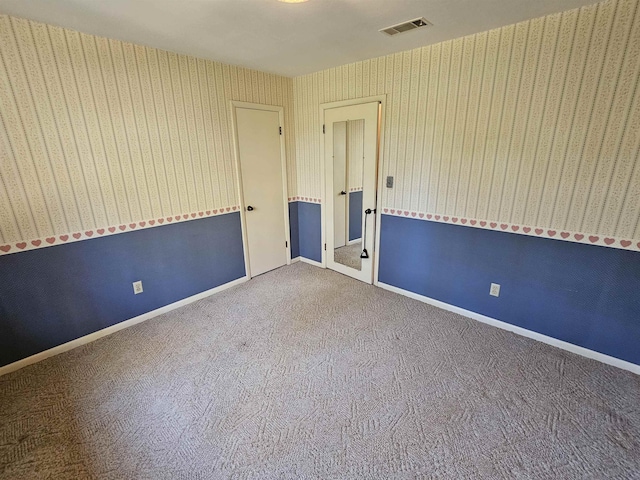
(260, 156)
(340, 192)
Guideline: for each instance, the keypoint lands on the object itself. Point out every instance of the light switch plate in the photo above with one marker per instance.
(389, 182)
(495, 290)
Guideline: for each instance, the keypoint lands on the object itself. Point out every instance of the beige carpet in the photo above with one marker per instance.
(305, 373)
(349, 255)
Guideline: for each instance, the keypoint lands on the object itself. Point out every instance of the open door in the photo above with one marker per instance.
(351, 158)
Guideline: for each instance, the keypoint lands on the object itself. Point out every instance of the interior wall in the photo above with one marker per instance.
(515, 155)
(50, 296)
(98, 134)
(585, 295)
(531, 128)
(119, 160)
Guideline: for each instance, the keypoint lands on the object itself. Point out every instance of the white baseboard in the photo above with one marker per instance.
(585, 352)
(311, 262)
(65, 347)
(354, 241)
(295, 260)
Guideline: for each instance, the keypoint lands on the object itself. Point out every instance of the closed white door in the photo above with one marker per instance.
(263, 187)
(340, 183)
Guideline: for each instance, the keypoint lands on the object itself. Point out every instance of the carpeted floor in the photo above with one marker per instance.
(305, 373)
(349, 255)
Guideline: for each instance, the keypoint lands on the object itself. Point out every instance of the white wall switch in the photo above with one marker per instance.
(137, 287)
(495, 290)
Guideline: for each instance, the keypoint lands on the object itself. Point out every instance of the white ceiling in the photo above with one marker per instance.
(288, 39)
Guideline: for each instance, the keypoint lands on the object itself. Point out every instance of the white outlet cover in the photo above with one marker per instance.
(495, 290)
(137, 287)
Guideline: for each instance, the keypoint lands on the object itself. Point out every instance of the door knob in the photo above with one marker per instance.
(343, 193)
(250, 208)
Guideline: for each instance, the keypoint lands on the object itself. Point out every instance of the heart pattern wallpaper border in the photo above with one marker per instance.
(554, 234)
(49, 241)
(305, 199)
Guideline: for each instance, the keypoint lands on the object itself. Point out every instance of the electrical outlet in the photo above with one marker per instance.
(137, 287)
(389, 182)
(495, 290)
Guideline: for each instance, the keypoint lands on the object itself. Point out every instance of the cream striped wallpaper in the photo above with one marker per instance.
(97, 134)
(534, 125)
(355, 146)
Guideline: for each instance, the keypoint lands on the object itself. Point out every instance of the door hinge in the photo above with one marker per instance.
(286, 244)
(280, 130)
(325, 247)
(323, 129)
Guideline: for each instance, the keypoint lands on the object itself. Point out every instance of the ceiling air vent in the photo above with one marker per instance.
(407, 26)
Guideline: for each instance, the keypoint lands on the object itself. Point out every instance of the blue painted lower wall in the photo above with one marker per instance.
(294, 231)
(582, 294)
(355, 215)
(53, 295)
(305, 220)
(309, 230)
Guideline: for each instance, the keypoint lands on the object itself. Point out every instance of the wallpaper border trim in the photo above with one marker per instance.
(62, 239)
(305, 199)
(513, 228)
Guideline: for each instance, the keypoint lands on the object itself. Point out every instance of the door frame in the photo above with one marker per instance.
(235, 104)
(382, 100)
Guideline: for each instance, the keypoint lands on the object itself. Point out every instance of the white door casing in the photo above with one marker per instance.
(370, 113)
(261, 168)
